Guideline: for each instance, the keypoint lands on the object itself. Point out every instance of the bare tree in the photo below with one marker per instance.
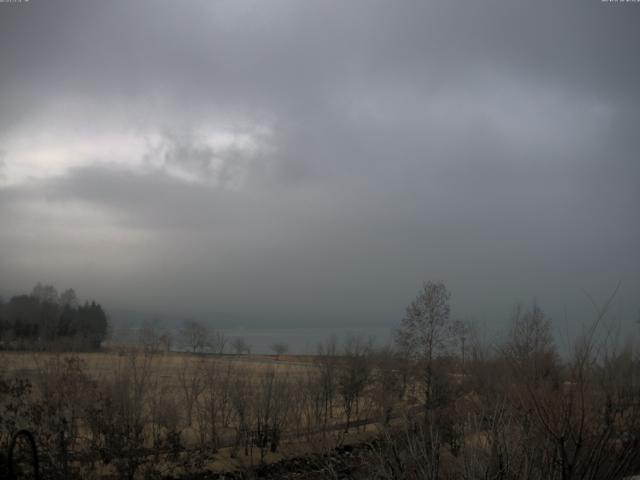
(166, 341)
(530, 346)
(217, 342)
(326, 359)
(425, 332)
(280, 348)
(195, 335)
(240, 346)
(387, 381)
(353, 376)
(584, 427)
(190, 378)
(270, 407)
(461, 331)
(118, 415)
(149, 336)
(409, 452)
(241, 394)
(214, 407)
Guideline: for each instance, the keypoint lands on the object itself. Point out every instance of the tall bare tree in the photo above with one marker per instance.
(191, 381)
(328, 366)
(353, 376)
(530, 345)
(425, 331)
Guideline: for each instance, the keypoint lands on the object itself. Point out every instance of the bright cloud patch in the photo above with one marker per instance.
(213, 155)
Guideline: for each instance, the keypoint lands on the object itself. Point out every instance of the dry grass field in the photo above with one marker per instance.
(125, 411)
(103, 364)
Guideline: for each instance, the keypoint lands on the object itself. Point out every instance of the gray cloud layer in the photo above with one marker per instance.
(361, 148)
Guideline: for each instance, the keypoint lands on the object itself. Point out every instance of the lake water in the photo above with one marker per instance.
(304, 340)
(299, 340)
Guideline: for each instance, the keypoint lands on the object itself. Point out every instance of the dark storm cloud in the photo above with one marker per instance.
(310, 160)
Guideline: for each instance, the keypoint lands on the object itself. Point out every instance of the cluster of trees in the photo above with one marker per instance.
(515, 409)
(194, 336)
(47, 319)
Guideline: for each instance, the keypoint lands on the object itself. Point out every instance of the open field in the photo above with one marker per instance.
(168, 366)
(181, 411)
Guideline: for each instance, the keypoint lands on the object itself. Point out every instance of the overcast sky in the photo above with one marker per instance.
(313, 162)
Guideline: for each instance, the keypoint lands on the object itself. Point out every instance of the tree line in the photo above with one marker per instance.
(45, 319)
(193, 336)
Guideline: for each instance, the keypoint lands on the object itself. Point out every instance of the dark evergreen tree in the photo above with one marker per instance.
(44, 317)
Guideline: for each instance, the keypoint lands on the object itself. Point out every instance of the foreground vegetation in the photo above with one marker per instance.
(438, 405)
